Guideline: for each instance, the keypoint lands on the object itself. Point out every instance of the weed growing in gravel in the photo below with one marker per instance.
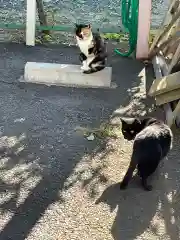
(106, 130)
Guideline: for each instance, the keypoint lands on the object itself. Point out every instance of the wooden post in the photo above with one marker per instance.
(42, 15)
(144, 20)
(30, 22)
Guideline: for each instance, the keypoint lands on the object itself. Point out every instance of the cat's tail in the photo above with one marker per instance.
(94, 69)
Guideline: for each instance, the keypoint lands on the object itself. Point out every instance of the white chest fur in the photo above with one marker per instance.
(85, 44)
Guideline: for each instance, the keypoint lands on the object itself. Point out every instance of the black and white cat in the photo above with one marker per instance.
(93, 49)
(152, 142)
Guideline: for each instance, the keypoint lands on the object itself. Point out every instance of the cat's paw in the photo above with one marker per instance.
(88, 71)
(147, 187)
(123, 185)
(85, 67)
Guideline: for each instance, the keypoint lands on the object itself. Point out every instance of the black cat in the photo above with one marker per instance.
(152, 142)
(93, 49)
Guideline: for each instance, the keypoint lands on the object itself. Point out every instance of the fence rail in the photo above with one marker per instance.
(60, 28)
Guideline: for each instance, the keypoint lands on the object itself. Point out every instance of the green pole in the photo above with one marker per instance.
(129, 14)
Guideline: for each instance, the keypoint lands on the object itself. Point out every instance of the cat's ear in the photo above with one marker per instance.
(123, 120)
(130, 121)
(127, 121)
(137, 121)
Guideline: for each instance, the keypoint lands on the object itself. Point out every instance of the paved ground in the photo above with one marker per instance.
(57, 185)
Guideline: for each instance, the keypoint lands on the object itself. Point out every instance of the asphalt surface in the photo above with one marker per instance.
(54, 183)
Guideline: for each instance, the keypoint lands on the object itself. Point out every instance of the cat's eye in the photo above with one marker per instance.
(131, 131)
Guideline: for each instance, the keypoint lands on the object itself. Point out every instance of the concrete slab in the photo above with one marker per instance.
(65, 75)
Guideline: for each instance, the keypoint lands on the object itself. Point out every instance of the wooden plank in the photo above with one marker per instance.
(171, 47)
(168, 107)
(174, 60)
(162, 32)
(169, 114)
(158, 74)
(167, 38)
(175, 7)
(165, 84)
(168, 97)
(176, 55)
(156, 66)
(176, 110)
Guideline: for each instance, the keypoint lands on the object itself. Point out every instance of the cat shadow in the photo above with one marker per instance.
(135, 210)
(138, 209)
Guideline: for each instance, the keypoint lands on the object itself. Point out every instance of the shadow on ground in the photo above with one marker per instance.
(40, 147)
(139, 211)
(39, 144)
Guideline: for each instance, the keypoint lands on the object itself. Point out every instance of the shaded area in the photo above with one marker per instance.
(40, 147)
(143, 215)
(46, 164)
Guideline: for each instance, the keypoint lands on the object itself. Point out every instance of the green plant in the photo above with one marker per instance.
(106, 130)
(120, 37)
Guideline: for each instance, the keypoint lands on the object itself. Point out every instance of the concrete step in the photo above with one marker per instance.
(65, 75)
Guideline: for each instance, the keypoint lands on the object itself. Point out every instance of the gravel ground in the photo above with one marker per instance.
(57, 185)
